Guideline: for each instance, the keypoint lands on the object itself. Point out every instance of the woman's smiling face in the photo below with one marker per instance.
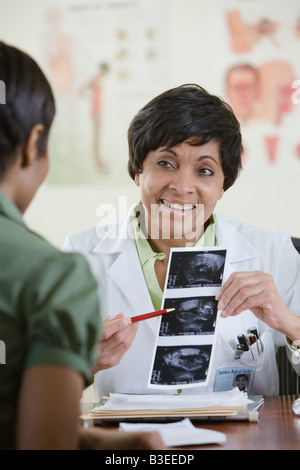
(180, 187)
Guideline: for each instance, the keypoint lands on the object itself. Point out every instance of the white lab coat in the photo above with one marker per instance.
(114, 261)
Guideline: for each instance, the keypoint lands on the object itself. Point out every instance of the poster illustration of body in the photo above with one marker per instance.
(104, 59)
(186, 336)
(257, 72)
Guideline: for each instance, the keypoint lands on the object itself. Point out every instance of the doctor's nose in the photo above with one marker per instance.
(183, 182)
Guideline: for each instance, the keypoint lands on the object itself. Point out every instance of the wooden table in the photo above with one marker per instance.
(278, 428)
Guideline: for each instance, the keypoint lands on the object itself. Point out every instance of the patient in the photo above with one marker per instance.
(49, 309)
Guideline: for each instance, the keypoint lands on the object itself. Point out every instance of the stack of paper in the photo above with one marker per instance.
(123, 406)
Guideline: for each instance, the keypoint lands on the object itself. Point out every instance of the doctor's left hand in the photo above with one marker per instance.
(117, 336)
(256, 291)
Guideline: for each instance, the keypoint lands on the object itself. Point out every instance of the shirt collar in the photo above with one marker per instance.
(209, 236)
(144, 249)
(10, 210)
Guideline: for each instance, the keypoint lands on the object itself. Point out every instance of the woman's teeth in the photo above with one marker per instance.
(178, 207)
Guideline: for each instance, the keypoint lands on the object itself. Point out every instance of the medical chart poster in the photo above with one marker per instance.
(255, 49)
(186, 337)
(105, 59)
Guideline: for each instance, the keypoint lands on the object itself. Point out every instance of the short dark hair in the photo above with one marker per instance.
(187, 112)
(28, 101)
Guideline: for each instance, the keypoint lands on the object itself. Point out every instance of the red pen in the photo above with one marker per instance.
(150, 315)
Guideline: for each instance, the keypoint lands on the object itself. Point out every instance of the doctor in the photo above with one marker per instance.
(184, 153)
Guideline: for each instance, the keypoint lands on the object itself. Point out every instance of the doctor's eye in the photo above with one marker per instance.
(165, 164)
(204, 172)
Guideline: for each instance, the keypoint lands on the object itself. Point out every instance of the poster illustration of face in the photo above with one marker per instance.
(257, 66)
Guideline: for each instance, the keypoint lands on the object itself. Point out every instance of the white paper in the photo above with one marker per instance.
(186, 337)
(180, 433)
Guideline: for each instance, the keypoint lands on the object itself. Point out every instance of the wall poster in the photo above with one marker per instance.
(105, 60)
(257, 70)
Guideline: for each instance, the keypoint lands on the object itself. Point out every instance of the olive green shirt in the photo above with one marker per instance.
(148, 257)
(49, 311)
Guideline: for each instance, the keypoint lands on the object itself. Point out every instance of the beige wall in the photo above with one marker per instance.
(262, 200)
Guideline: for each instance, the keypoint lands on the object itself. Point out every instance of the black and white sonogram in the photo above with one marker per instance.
(196, 269)
(179, 365)
(192, 316)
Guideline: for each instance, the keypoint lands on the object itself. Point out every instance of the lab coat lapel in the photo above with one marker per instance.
(127, 291)
(238, 247)
(127, 277)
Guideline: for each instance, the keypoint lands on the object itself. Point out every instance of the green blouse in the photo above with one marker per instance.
(49, 311)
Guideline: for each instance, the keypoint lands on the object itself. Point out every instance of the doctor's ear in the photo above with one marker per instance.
(137, 179)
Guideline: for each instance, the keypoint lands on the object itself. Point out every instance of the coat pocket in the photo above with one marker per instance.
(254, 371)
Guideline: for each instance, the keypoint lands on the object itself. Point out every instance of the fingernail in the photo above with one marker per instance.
(218, 295)
(221, 305)
(107, 319)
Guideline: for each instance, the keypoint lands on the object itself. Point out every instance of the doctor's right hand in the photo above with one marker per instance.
(117, 336)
